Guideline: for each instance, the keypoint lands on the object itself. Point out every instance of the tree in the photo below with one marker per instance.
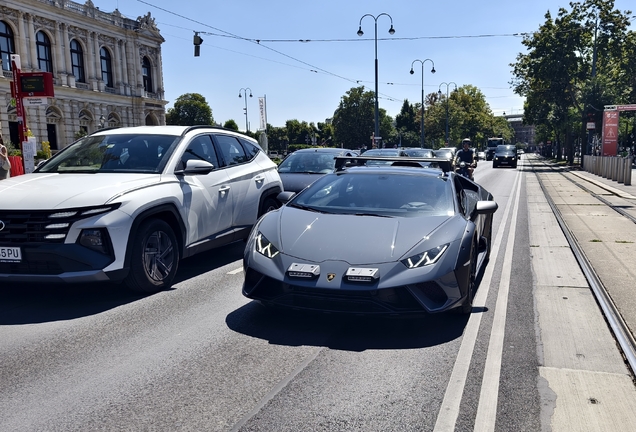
(354, 118)
(231, 124)
(572, 66)
(190, 109)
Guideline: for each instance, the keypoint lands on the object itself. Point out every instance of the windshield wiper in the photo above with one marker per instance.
(304, 207)
(372, 214)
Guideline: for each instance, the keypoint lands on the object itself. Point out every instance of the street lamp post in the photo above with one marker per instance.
(376, 135)
(439, 91)
(422, 141)
(244, 90)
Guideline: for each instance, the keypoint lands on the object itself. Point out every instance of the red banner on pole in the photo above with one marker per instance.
(610, 133)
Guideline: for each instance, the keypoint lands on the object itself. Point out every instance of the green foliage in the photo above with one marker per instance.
(354, 118)
(190, 109)
(231, 124)
(80, 133)
(574, 64)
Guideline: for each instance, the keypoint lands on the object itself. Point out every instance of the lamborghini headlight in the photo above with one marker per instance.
(429, 257)
(264, 246)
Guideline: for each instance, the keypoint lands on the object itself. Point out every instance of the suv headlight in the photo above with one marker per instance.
(264, 246)
(429, 257)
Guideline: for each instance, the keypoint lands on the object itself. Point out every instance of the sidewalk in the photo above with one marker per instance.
(607, 238)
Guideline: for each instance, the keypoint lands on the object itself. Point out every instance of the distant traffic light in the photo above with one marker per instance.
(197, 44)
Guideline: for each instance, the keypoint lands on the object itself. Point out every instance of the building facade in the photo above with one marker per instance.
(524, 134)
(107, 69)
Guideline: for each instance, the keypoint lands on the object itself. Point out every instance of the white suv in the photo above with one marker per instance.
(127, 204)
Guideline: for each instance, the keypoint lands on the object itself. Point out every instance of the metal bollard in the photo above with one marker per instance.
(620, 172)
(628, 171)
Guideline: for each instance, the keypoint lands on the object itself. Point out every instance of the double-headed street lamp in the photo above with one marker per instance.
(360, 33)
(244, 90)
(439, 92)
(422, 116)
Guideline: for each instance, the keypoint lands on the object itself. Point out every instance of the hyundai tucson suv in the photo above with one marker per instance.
(127, 204)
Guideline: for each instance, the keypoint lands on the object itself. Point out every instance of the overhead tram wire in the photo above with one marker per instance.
(256, 41)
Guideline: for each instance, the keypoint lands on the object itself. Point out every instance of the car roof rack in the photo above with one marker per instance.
(343, 162)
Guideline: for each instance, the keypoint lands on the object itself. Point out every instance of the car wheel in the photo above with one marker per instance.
(467, 306)
(154, 257)
(268, 205)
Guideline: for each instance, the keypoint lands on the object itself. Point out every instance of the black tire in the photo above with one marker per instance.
(467, 306)
(494, 165)
(268, 205)
(154, 257)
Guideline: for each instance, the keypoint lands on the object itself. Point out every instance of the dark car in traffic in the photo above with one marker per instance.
(387, 239)
(505, 155)
(302, 167)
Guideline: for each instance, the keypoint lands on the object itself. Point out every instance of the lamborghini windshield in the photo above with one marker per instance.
(400, 195)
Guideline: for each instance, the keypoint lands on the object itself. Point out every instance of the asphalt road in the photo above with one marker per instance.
(202, 357)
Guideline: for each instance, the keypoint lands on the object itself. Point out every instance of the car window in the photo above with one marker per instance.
(200, 148)
(232, 151)
(250, 149)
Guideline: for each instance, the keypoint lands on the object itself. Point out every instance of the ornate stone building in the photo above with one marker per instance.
(106, 68)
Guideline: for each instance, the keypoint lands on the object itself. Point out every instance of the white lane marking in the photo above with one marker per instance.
(236, 271)
(487, 408)
(449, 411)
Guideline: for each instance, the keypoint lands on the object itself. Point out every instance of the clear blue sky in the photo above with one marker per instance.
(470, 42)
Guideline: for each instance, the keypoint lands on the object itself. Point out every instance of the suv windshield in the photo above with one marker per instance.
(308, 162)
(115, 153)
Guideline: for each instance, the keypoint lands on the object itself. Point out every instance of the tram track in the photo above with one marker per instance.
(617, 324)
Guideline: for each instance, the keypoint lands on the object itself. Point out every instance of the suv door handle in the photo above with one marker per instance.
(223, 189)
(259, 179)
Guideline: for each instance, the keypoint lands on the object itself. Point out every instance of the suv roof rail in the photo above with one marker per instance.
(342, 162)
(190, 128)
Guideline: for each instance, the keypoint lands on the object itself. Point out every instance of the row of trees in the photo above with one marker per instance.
(469, 116)
(575, 64)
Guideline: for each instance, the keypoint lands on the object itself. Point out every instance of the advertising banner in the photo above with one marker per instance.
(262, 110)
(610, 133)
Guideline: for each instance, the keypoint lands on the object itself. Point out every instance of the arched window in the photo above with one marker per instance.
(77, 61)
(107, 68)
(7, 45)
(43, 43)
(146, 71)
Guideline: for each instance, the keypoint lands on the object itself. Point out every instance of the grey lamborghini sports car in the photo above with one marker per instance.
(390, 239)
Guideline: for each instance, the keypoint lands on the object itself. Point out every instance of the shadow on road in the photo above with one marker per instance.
(347, 333)
(45, 302)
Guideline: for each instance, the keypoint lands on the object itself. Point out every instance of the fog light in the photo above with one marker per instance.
(94, 239)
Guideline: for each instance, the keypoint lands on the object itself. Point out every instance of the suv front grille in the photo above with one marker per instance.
(33, 227)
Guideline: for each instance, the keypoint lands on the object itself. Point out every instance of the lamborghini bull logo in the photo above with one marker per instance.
(330, 277)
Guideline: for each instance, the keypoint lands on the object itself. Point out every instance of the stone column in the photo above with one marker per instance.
(59, 60)
(69, 66)
(125, 75)
(92, 52)
(160, 75)
(24, 61)
(117, 64)
(94, 62)
(34, 52)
